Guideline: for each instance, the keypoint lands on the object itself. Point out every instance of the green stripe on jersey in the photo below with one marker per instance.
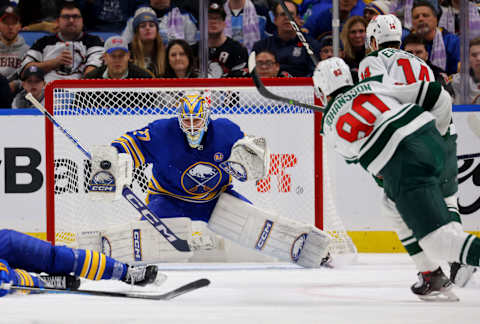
(382, 140)
(433, 92)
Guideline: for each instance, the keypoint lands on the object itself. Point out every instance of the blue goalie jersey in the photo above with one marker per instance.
(180, 172)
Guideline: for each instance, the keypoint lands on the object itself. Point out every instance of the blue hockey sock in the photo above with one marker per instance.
(96, 266)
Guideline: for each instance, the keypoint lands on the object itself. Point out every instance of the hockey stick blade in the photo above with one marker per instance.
(129, 195)
(267, 94)
(194, 285)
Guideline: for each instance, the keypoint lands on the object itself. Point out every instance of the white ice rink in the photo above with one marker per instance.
(375, 290)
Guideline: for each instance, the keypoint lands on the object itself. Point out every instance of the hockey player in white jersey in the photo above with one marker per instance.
(384, 34)
(393, 131)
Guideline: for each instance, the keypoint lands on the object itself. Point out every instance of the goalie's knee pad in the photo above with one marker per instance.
(445, 243)
(138, 242)
(271, 234)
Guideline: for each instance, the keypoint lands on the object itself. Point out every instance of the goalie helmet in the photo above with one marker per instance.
(194, 117)
(331, 75)
(383, 28)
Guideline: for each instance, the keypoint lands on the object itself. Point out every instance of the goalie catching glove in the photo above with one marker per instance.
(249, 159)
(111, 171)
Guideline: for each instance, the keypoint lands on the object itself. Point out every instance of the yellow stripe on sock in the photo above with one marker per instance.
(86, 263)
(94, 267)
(20, 276)
(101, 268)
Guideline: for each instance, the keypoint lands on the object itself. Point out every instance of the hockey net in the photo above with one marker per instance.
(95, 112)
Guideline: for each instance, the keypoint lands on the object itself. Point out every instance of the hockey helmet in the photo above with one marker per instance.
(194, 117)
(330, 75)
(383, 28)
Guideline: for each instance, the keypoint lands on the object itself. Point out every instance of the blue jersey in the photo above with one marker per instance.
(179, 171)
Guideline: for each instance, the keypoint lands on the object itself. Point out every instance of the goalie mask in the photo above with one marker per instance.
(193, 117)
(383, 28)
(331, 75)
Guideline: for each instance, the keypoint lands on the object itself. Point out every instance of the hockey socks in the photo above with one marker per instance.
(97, 266)
(470, 253)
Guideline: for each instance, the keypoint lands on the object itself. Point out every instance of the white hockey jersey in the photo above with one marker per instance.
(401, 66)
(366, 123)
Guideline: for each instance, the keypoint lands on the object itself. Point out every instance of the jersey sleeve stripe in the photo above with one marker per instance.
(433, 93)
(417, 101)
(136, 148)
(129, 149)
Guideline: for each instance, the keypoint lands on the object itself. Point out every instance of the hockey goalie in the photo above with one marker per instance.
(194, 158)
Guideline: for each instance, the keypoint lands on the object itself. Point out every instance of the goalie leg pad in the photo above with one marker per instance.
(268, 233)
(138, 242)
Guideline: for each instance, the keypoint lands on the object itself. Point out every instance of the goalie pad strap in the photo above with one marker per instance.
(268, 233)
(138, 242)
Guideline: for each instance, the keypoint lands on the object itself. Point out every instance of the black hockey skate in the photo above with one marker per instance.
(460, 273)
(144, 275)
(60, 281)
(434, 286)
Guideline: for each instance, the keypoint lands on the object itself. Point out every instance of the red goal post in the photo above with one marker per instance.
(97, 111)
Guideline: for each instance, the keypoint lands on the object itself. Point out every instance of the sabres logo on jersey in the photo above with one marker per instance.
(201, 178)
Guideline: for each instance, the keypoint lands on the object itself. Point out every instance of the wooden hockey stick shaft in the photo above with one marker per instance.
(127, 193)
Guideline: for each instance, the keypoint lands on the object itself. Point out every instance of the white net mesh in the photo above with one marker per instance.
(98, 115)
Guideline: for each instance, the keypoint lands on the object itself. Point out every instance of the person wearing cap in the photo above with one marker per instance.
(117, 62)
(291, 54)
(33, 81)
(443, 47)
(147, 48)
(226, 56)
(70, 53)
(326, 48)
(173, 23)
(375, 8)
(12, 45)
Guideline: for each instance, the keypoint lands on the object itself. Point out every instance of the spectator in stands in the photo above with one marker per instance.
(320, 22)
(403, 10)
(245, 22)
(353, 38)
(443, 47)
(326, 48)
(188, 6)
(40, 15)
(474, 79)
(293, 58)
(107, 15)
(180, 62)
(33, 81)
(173, 23)
(450, 19)
(267, 66)
(148, 51)
(226, 57)
(375, 8)
(70, 53)
(12, 45)
(117, 62)
(416, 45)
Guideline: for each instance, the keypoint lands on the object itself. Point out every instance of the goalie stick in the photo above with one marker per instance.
(191, 286)
(127, 193)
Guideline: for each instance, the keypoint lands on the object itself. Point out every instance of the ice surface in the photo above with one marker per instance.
(375, 290)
